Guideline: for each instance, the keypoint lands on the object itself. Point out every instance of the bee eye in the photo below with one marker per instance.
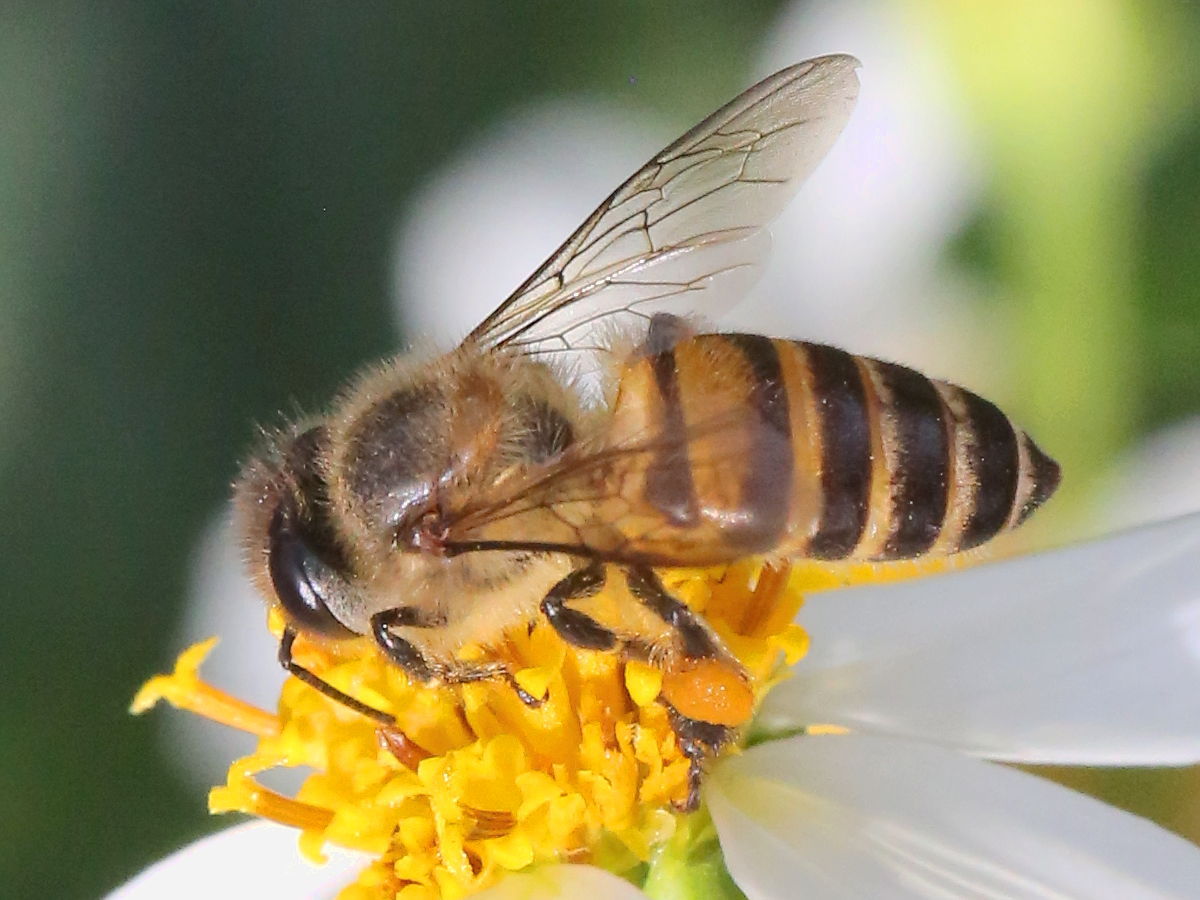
(302, 581)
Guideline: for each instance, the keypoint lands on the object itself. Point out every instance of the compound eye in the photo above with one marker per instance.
(302, 581)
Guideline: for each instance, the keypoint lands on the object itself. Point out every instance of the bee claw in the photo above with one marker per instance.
(523, 695)
(529, 700)
(695, 775)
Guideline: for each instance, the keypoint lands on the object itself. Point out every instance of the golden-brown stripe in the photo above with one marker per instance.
(884, 461)
(804, 512)
(960, 474)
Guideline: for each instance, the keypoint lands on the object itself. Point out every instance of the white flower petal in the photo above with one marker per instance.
(562, 881)
(864, 816)
(1088, 655)
(256, 859)
(1156, 478)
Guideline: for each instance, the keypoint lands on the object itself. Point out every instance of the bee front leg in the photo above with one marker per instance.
(385, 627)
(320, 684)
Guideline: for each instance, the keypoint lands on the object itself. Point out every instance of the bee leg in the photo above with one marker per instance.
(696, 640)
(406, 655)
(294, 668)
(573, 626)
(698, 741)
(466, 673)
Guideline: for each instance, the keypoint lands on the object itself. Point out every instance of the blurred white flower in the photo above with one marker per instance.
(222, 601)
(489, 216)
(1158, 477)
(857, 257)
(1077, 656)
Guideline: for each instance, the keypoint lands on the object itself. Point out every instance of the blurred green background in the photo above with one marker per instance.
(199, 203)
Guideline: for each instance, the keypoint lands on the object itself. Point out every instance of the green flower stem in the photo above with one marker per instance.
(690, 865)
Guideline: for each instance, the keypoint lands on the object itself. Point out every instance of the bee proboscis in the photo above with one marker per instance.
(445, 500)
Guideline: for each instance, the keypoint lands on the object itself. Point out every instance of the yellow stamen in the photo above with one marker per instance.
(471, 782)
(184, 689)
(268, 804)
(643, 682)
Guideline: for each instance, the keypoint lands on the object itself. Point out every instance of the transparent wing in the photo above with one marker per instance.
(686, 232)
(587, 502)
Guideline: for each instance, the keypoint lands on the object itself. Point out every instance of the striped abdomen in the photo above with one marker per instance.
(757, 445)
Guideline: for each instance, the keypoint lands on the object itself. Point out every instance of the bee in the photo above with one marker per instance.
(445, 500)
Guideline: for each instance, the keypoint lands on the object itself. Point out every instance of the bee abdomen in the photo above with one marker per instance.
(764, 445)
(908, 465)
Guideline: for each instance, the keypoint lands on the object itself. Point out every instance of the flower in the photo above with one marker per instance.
(1156, 477)
(472, 782)
(895, 806)
(1084, 655)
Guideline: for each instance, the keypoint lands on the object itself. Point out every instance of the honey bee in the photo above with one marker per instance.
(445, 500)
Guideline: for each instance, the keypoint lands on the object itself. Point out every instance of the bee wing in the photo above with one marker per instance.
(584, 493)
(686, 232)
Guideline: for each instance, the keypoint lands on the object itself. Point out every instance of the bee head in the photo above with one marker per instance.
(291, 547)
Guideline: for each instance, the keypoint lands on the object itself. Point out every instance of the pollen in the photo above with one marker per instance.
(710, 692)
(471, 782)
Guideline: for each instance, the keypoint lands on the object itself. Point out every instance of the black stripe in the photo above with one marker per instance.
(669, 485)
(767, 488)
(995, 461)
(845, 451)
(1046, 475)
(920, 490)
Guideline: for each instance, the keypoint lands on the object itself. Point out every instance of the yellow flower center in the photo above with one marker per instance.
(472, 783)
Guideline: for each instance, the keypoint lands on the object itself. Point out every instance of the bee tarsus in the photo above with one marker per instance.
(698, 741)
(407, 656)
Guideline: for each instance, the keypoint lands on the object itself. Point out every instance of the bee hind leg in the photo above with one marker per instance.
(696, 640)
(405, 654)
(699, 741)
